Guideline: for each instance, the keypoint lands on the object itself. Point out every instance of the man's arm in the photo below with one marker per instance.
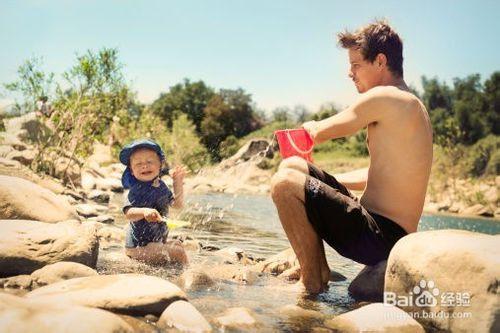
(370, 108)
(354, 180)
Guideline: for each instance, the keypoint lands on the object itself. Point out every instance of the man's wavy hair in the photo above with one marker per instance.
(377, 37)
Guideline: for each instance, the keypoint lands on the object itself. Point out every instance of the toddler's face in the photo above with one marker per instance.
(145, 164)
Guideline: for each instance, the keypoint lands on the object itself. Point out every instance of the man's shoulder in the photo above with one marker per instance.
(393, 98)
(390, 92)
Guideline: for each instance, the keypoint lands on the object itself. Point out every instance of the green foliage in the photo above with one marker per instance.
(180, 143)
(189, 98)
(185, 146)
(33, 83)
(283, 114)
(83, 112)
(436, 95)
(227, 113)
(492, 100)
(483, 157)
(229, 147)
(465, 114)
(326, 110)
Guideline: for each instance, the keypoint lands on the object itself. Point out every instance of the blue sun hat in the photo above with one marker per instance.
(128, 179)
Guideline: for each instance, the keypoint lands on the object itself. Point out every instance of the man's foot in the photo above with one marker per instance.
(325, 275)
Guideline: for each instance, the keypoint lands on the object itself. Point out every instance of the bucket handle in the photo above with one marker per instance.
(305, 152)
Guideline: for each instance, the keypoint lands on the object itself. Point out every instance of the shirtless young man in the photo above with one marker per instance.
(313, 205)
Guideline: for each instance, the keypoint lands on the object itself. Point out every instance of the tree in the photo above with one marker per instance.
(33, 83)
(83, 112)
(227, 113)
(436, 95)
(282, 114)
(325, 111)
(469, 107)
(492, 100)
(301, 113)
(188, 98)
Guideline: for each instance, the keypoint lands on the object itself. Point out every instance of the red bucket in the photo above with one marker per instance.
(295, 142)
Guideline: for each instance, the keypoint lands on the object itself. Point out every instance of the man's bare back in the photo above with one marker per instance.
(400, 146)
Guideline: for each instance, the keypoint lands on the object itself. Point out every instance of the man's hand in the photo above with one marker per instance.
(312, 128)
(151, 215)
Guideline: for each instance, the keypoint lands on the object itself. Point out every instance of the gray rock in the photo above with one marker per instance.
(196, 280)
(236, 318)
(111, 234)
(10, 163)
(375, 317)
(22, 199)
(88, 180)
(60, 271)
(278, 263)
(183, 316)
(102, 219)
(99, 196)
(132, 294)
(26, 246)
(10, 139)
(139, 325)
(459, 273)
(233, 255)
(67, 170)
(74, 194)
(109, 184)
(19, 315)
(5, 150)
(295, 311)
(89, 210)
(24, 157)
(478, 209)
(368, 285)
(17, 282)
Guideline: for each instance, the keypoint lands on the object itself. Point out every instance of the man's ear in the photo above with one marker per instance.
(381, 60)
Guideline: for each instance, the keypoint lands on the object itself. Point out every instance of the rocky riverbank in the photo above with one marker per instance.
(52, 237)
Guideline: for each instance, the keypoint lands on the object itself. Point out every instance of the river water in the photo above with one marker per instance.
(251, 223)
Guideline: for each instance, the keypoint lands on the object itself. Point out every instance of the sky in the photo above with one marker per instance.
(283, 53)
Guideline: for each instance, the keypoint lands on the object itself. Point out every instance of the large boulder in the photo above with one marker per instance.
(19, 315)
(46, 275)
(60, 271)
(26, 246)
(22, 199)
(133, 294)
(449, 278)
(27, 127)
(368, 285)
(376, 317)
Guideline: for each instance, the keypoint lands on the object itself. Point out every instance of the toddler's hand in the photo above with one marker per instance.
(152, 215)
(179, 172)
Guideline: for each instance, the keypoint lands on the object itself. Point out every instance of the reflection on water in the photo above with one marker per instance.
(251, 223)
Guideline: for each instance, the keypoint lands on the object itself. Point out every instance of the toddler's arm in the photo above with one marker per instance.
(135, 214)
(178, 183)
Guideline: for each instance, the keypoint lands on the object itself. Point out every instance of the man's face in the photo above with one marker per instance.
(365, 75)
(145, 164)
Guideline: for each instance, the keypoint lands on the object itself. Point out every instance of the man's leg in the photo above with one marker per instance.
(288, 196)
(299, 164)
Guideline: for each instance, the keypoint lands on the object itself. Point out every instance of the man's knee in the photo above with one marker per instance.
(283, 183)
(295, 163)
